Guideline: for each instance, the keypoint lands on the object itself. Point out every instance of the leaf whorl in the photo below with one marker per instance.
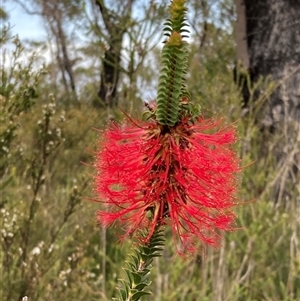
(171, 85)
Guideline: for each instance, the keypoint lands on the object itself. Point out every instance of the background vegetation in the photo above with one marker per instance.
(52, 248)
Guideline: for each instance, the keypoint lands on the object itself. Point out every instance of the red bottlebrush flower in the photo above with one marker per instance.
(186, 176)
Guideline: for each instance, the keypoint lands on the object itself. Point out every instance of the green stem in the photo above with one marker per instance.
(171, 83)
(139, 267)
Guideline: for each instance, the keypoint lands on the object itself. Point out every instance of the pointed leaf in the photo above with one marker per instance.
(140, 294)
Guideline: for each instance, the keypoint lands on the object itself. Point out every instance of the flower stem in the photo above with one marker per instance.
(139, 267)
(171, 83)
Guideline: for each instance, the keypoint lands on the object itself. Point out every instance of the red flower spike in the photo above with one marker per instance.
(185, 175)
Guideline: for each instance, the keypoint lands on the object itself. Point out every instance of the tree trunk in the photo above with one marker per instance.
(273, 38)
(273, 44)
(110, 73)
(54, 15)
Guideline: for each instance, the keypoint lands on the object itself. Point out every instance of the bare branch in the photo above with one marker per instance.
(241, 35)
(26, 9)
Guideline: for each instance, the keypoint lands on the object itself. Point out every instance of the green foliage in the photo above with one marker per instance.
(39, 233)
(173, 99)
(3, 14)
(169, 89)
(171, 85)
(139, 268)
(17, 91)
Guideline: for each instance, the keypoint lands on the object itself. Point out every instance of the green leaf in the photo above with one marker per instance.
(136, 279)
(129, 275)
(126, 286)
(6, 182)
(123, 294)
(141, 286)
(140, 294)
(139, 268)
(135, 260)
